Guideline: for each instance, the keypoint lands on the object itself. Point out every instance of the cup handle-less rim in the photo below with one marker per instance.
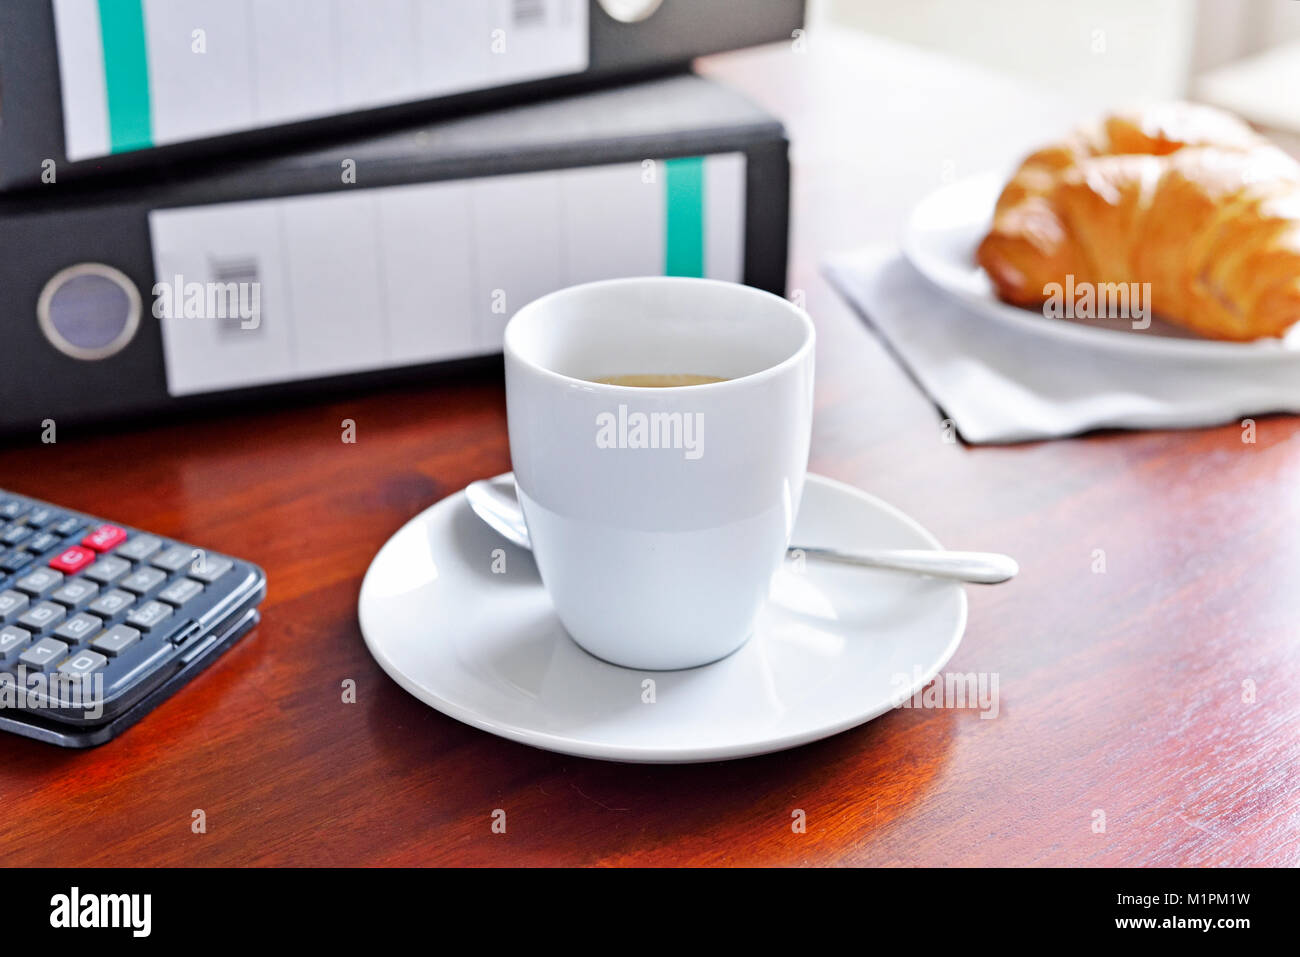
(794, 359)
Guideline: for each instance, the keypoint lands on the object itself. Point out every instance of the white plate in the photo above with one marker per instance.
(940, 241)
(835, 647)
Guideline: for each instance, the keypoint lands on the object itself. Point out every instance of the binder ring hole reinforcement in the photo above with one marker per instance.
(630, 11)
(89, 311)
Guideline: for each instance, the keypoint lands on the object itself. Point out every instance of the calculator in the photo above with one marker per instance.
(100, 623)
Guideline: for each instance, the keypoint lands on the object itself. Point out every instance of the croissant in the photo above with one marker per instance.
(1181, 197)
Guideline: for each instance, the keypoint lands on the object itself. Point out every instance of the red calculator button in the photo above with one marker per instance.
(72, 559)
(104, 538)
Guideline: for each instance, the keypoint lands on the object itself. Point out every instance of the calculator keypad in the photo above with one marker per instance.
(80, 597)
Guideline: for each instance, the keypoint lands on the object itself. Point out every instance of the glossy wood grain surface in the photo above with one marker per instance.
(1160, 693)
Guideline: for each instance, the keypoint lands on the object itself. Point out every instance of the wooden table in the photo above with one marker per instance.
(1122, 692)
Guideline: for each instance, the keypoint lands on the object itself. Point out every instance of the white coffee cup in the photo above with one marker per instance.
(659, 557)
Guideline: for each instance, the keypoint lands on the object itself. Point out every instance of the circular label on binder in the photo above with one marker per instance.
(630, 11)
(89, 311)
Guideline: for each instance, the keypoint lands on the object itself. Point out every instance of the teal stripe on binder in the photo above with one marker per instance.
(126, 74)
(684, 233)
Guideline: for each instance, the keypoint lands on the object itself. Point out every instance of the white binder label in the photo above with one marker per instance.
(141, 73)
(359, 280)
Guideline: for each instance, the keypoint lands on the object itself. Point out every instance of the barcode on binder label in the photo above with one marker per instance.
(238, 274)
(529, 13)
(403, 275)
(128, 83)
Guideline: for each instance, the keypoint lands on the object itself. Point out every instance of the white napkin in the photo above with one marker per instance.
(999, 384)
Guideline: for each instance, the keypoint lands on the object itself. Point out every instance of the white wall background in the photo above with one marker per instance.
(1098, 53)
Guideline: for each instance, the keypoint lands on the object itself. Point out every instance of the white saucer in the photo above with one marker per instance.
(835, 647)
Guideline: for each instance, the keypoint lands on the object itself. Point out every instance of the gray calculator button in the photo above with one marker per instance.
(142, 580)
(108, 569)
(75, 592)
(116, 640)
(210, 568)
(83, 663)
(174, 558)
(43, 654)
(139, 548)
(15, 561)
(181, 591)
(40, 582)
(12, 604)
(149, 615)
(15, 534)
(13, 640)
(44, 615)
(78, 628)
(42, 516)
(42, 542)
(67, 527)
(111, 602)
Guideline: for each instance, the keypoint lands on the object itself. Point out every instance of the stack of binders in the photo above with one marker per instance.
(213, 200)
